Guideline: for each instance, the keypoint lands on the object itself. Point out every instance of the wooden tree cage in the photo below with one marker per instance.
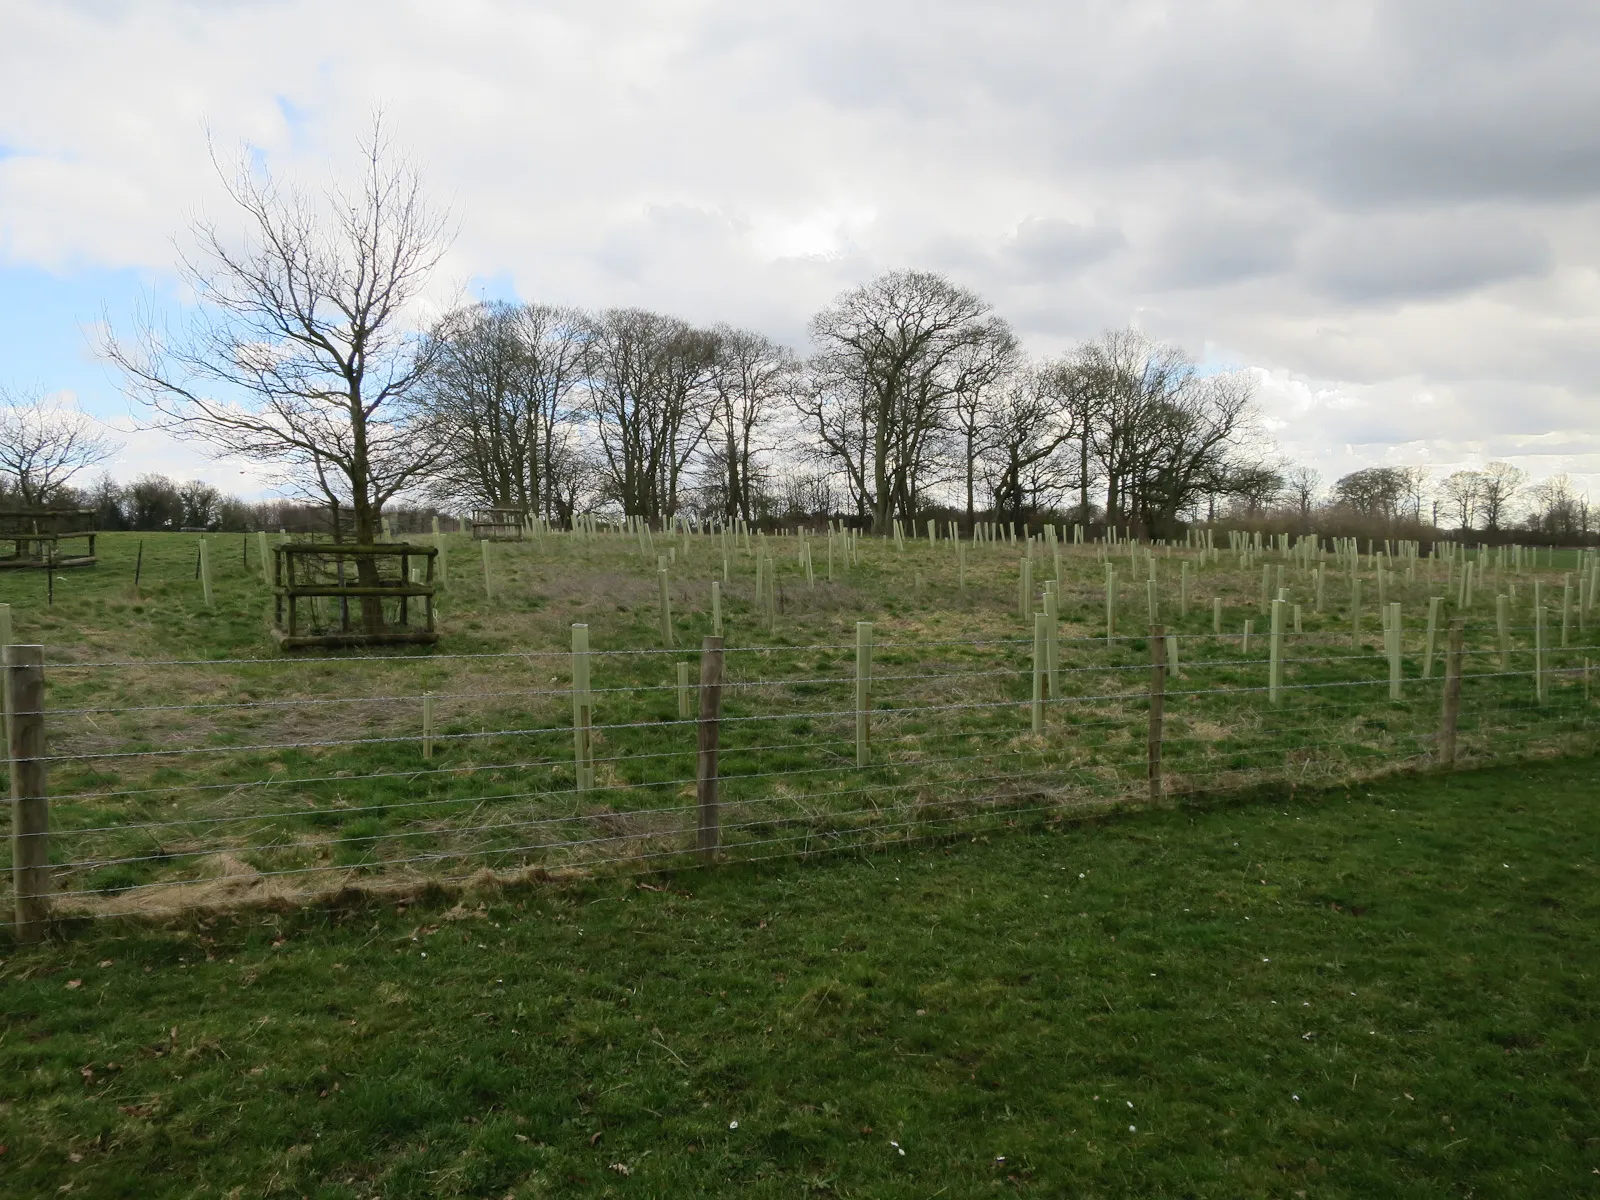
(48, 537)
(498, 524)
(349, 595)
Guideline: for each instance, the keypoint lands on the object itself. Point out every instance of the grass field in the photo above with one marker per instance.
(1387, 991)
(184, 779)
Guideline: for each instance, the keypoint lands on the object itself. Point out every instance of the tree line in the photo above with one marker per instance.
(914, 397)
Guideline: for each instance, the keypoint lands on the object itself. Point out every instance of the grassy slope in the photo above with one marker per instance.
(1413, 961)
(930, 764)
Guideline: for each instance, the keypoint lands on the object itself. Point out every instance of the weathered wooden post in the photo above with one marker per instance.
(708, 737)
(30, 804)
(1158, 704)
(1433, 627)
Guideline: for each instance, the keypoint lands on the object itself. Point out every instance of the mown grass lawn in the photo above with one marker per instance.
(1383, 992)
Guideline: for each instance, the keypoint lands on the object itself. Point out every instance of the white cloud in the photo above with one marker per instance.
(1390, 212)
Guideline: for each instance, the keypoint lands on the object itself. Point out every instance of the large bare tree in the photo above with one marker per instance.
(1028, 436)
(301, 350)
(499, 404)
(1459, 491)
(1303, 487)
(651, 399)
(1164, 435)
(752, 376)
(44, 445)
(981, 379)
(888, 361)
(1498, 488)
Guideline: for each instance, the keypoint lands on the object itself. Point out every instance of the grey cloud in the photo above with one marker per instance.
(1047, 247)
(1215, 246)
(1422, 256)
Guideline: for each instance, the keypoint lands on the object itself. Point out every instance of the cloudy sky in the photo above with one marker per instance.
(1387, 211)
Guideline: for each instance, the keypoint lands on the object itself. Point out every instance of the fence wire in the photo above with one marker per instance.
(166, 806)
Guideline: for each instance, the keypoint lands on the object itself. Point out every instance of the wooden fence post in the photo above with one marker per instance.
(863, 691)
(30, 804)
(1451, 710)
(709, 739)
(1433, 630)
(1158, 704)
(582, 710)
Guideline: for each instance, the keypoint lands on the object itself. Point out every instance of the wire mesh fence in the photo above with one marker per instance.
(280, 780)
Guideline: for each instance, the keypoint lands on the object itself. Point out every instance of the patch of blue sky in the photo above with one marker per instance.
(497, 287)
(49, 323)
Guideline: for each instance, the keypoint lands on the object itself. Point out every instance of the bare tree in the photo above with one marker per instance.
(1373, 491)
(1497, 489)
(44, 445)
(889, 357)
(1164, 436)
(299, 353)
(981, 370)
(650, 395)
(1415, 482)
(1303, 486)
(1027, 431)
(499, 403)
(1460, 492)
(752, 375)
(1558, 509)
(1254, 487)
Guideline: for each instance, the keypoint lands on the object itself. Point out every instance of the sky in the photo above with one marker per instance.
(1385, 211)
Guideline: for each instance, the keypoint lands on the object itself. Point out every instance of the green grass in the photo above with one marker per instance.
(951, 729)
(1389, 991)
